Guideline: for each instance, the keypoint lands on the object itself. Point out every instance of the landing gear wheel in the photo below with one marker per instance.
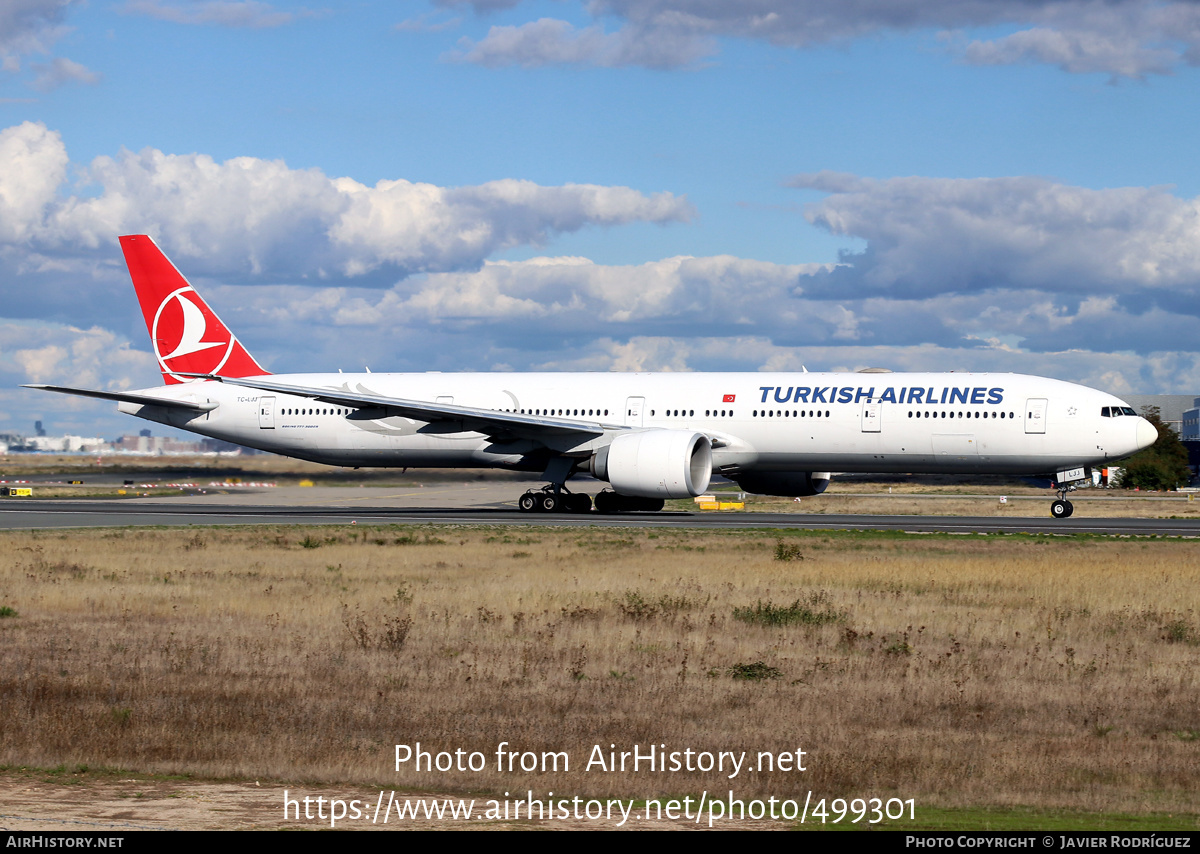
(1070, 508)
(549, 502)
(1061, 509)
(528, 502)
(578, 502)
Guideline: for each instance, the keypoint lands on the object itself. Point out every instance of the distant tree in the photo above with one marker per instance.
(1161, 466)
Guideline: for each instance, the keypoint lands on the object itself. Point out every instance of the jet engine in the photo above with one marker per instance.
(793, 484)
(656, 464)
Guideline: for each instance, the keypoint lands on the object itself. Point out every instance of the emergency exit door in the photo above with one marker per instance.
(635, 408)
(870, 418)
(266, 413)
(1035, 415)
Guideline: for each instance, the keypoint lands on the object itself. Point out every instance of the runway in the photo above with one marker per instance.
(18, 514)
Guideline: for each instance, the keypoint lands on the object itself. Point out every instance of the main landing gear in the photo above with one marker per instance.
(554, 498)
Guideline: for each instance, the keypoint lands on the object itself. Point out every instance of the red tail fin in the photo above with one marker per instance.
(187, 336)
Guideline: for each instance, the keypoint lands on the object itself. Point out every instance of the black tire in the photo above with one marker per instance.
(528, 502)
(1070, 509)
(606, 502)
(1060, 509)
(548, 502)
(579, 503)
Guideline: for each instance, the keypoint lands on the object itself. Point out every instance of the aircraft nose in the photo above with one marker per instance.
(1147, 434)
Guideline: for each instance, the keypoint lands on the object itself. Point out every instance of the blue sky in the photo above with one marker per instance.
(612, 185)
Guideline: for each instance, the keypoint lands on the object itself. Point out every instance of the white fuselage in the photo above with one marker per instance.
(759, 422)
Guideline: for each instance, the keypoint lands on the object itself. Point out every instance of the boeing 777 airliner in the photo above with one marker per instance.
(651, 436)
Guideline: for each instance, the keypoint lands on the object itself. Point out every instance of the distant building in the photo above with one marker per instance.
(142, 444)
(147, 445)
(68, 444)
(1191, 423)
(1190, 432)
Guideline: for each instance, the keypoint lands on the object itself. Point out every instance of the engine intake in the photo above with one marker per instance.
(656, 464)
(794, 484)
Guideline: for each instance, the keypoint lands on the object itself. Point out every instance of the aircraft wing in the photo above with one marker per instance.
(489, 422)
(144, 399)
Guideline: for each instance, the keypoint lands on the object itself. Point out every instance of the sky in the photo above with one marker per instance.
(679, 185)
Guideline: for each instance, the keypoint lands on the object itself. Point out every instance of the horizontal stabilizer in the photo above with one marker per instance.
(127, 397)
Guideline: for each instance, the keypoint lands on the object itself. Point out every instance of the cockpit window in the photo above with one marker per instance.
(1127, 410)
(1104, 413)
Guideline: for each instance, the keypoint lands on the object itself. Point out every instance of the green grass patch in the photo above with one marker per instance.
(754, 672)
(816, 611)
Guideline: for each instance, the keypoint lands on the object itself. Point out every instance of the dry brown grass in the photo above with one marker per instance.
(953, 670)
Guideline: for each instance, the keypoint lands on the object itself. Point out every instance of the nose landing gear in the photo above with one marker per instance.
(1061, 509)
(1066, 481)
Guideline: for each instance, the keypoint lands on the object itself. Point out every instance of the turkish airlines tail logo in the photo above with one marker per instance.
(187, 336)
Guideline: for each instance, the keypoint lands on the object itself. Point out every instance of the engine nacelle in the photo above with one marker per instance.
(793, 484)
(656, 464)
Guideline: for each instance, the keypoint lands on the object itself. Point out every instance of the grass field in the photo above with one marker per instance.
(972, 672)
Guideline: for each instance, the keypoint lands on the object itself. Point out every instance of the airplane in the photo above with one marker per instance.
(650, 436)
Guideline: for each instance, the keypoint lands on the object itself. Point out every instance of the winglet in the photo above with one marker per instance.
(187, 335)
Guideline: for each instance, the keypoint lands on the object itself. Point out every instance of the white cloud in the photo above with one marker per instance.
(62, 354)
(423, 227)
(548, 41)
(935, 235)
(1127, 39)
(222, 13)
(565, 295)
(1121, 38)
(257, 218)
(53, 353)
(49, 76)
(480, 6)
(35, 165)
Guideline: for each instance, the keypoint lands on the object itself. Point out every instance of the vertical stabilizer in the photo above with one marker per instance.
(187, 335)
